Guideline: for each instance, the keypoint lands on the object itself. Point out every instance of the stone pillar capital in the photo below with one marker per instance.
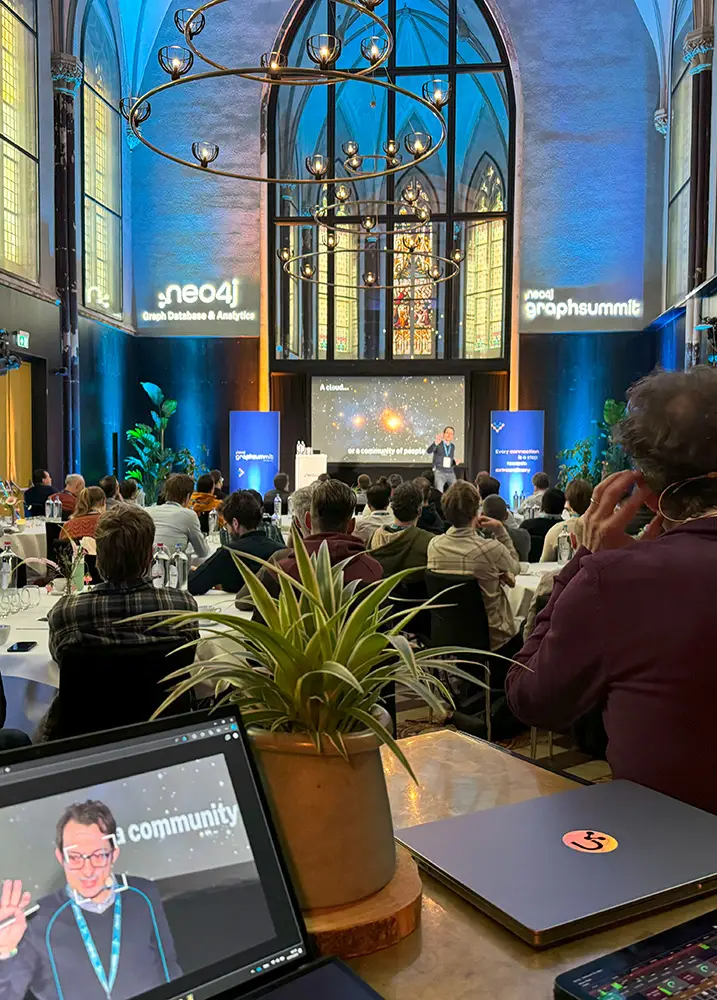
(67, 72)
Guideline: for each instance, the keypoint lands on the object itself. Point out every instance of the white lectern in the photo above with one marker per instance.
(308, 468)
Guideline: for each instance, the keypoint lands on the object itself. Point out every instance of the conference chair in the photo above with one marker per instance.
(130, 677)
(460, 619)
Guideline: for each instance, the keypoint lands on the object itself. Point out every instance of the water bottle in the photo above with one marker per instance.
(515, 501)
(139, 497)
(6, 567)
(213, 520)
(49, 509)
(565, 547)
(290, 507)
(277, 508)
(58, 510)
(179, 569)
(160, 566)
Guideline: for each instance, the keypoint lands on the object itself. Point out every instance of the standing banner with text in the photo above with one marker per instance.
(253, 449)
(516, 451)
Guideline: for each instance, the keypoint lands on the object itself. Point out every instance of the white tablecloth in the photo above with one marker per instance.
(38, 665)
(526, 584)
(29, 544)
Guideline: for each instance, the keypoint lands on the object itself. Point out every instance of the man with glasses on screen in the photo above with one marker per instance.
(443, 450)
(102, 936)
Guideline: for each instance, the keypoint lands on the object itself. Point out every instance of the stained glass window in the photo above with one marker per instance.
(678, 211)
(467, 185)
(18, 139)
(102, 165)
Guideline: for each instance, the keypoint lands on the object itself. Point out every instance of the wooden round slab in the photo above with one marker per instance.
(375, 922)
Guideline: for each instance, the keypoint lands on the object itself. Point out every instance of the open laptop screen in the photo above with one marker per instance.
(130, 869)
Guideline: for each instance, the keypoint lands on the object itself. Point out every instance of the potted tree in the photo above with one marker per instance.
(308, 679)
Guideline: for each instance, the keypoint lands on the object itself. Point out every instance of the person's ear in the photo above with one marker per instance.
(59, 856)
(307, 521)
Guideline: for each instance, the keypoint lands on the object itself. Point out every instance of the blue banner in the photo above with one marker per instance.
(253, 450)
(516, 451)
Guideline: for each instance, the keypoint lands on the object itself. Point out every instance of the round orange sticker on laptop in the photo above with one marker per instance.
(590, 842)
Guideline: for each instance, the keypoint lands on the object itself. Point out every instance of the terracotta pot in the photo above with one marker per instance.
(333, 815)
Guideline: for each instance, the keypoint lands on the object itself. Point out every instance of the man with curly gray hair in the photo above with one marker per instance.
(630, 625)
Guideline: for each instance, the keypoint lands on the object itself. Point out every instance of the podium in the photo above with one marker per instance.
(308, 468)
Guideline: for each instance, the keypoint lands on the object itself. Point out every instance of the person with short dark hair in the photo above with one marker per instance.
(493, 561)
(532, 504)
(362, 484)
(128, 490)
(331, 520)
(429, 519)
(242, 513)
(204, 500)
(99, 928)
(218, 480)
(443, 450)
(124, 537)
(577, 501)
(495, 507)
(110, 486)
(402, 545)
(487, 485)
(394, 480)
(376, 513)
(281, 489)
(629, 629)
(268, 525)
(324, 477)
(37, 495)
(175, 524)
(551, 513)
(435, 495)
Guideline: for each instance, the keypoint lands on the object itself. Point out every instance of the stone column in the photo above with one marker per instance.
(67, 72)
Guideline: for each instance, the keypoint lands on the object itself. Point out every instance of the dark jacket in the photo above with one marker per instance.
(537, 528)
(431, 520)
(363, 567)
(441, 451)
(269, 501)
(632, 631)
(522, 542)
(35, 498)
(400, 548)
(220, 569)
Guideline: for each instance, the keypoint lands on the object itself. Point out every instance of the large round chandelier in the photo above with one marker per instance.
(395, 223)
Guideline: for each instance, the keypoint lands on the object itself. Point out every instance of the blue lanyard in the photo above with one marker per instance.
(90, 948)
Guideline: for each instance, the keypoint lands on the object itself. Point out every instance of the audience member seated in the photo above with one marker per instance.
(362, 484)
(74, 485)
(487, 485)
(402, 545)
(125, 537)
(630, 625)
(493, 561)
(430, 518)
(577, 501)
(324, 477)
(218, 480)
(242, 514)
(331, 520)
(128, 490)
(174, 523)
(394, 480)
(436, 495)
(496, 508)
(281, 489)
(532, 504)
(111, 490)
(83, 521)
(203, 501)
(39, 493)
(376, 513)
(551, 512)
(267, 525)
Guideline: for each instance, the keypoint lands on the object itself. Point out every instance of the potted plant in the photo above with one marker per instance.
(308, 681)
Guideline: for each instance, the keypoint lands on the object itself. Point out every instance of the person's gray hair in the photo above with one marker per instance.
(301, 503)
(670, 431)
(73, 479)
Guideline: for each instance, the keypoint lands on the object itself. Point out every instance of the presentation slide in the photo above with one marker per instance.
(394, 419)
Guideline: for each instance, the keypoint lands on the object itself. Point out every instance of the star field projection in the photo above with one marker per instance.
(208, 831)
(368, 420)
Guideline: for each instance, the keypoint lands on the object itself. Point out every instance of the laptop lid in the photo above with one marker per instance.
(142, 862)
(558, 866)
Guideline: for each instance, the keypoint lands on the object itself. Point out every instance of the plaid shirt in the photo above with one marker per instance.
(93, 618)
(463, 552)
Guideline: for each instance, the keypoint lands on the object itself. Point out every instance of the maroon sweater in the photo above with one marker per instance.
(362, 567)
(633, 630)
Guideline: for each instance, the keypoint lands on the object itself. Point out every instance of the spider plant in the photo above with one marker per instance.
(322, 656)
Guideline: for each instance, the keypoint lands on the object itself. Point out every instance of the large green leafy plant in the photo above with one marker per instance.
(322, 657)
(595, 459)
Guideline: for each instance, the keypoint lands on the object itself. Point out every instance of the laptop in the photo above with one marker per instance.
(142, 862)
(557, 867)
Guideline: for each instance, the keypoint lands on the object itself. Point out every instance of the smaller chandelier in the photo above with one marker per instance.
(391, 147)
(370, 4)
(435, 272)
(175, 60)
(273, 62)
(343, 192)
(317, 165)
(330, 240)
(205, 152)
(457, 255)
(354, 163)
(369, 278)
(350, 147)
(181, 19)
(373, 49)
(323, 50)
(284, 254)
(417, 143)
(423, 213)
(368, 222)
(308, 270)
(411, 193)
(437, 92)
(144, 110)
(410, 242)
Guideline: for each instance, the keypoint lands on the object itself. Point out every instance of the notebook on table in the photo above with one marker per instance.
(143, 862)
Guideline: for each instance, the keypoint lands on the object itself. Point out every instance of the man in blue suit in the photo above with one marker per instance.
(443, 450)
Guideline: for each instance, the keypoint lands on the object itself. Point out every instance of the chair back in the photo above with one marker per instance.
(464, 621)
(52, 536)
(129, 678)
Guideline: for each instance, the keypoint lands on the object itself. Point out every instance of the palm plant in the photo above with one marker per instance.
(152, 461)
(322, 657)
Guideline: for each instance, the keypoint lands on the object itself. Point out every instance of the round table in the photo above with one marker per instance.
(526, 584)
(30, 543)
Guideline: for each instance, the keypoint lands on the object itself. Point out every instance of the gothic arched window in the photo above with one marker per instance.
(102, 164)
(467, 184)
(678, 212)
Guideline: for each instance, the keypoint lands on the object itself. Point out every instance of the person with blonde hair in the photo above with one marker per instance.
(91, 502)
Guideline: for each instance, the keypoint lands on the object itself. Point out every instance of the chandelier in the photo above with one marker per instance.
(396, 222)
